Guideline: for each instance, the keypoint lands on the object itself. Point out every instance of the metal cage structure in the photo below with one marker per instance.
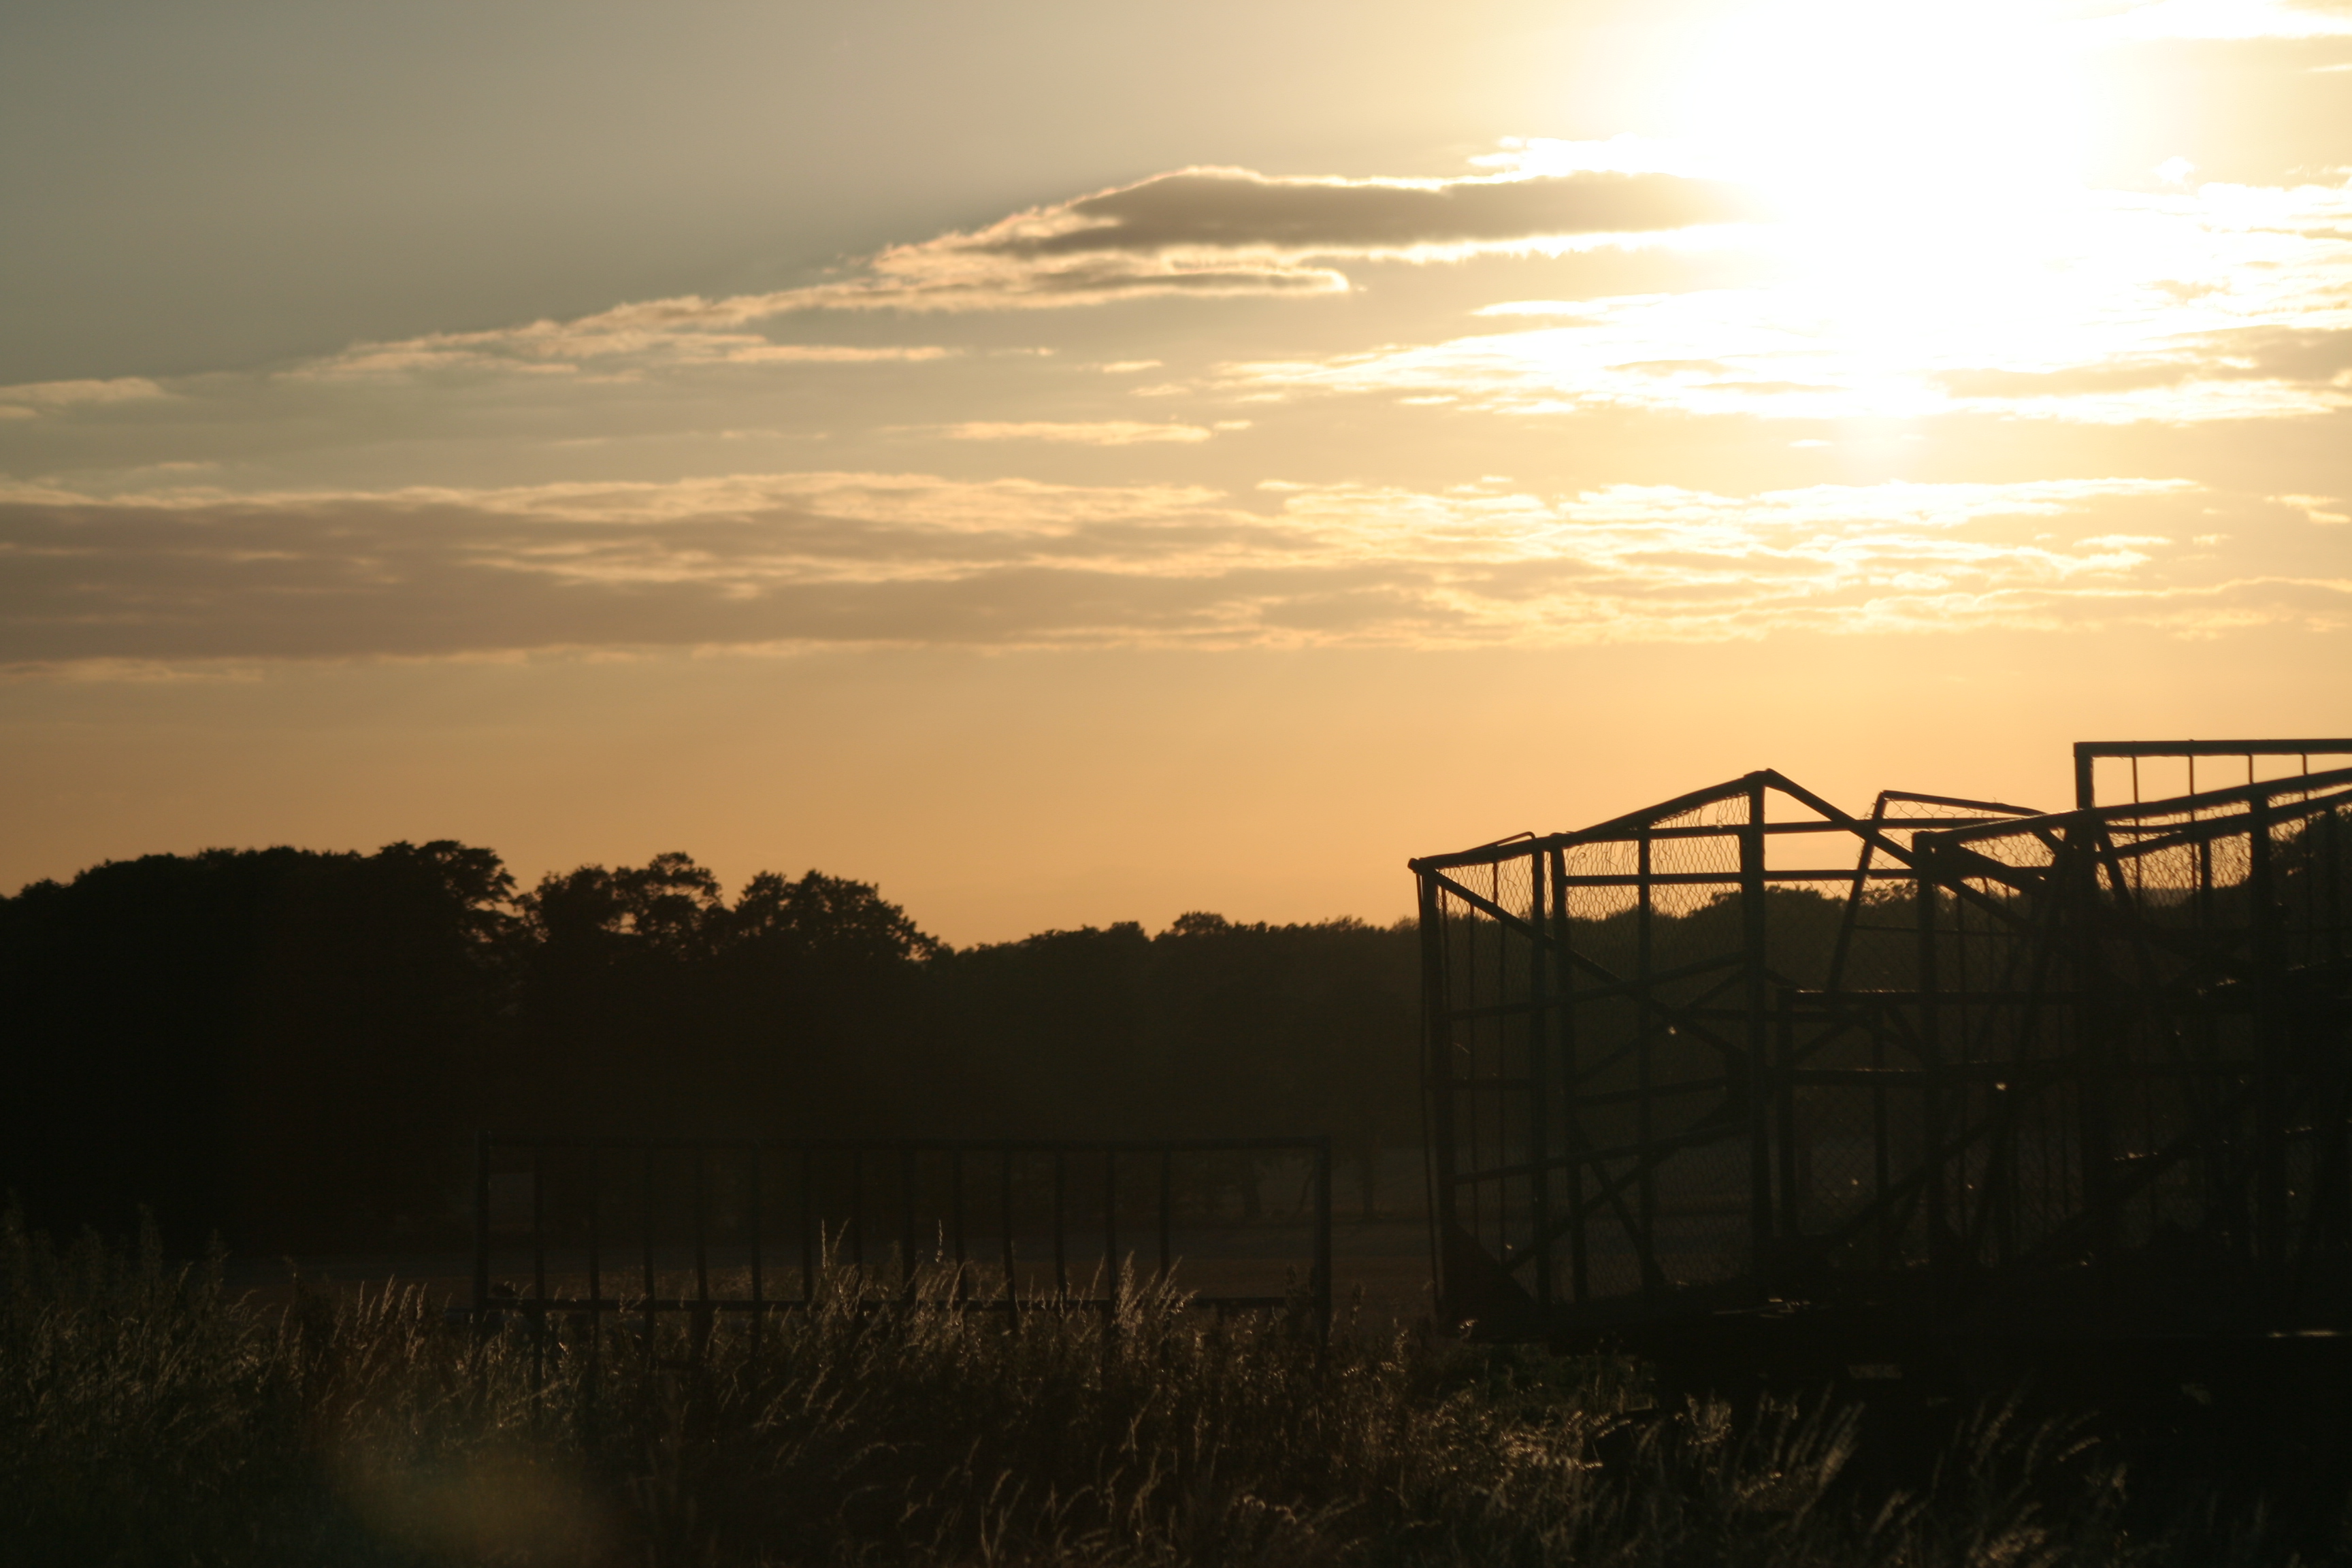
(1958, 1065)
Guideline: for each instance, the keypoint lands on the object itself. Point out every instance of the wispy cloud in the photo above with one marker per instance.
(870, 558)
(2230, 303)
(631, 338)
(2318, 509)
(1216, 230)
(26, 399)
(1203, 231)
(1091, 433)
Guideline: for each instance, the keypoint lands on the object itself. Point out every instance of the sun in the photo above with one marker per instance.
(1927, 165)
(1893, 100)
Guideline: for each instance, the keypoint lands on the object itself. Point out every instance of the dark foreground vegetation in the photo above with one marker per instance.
(147, 1417)
(291, 1050)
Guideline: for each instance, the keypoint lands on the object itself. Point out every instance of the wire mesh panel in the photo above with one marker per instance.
(1953, 1057)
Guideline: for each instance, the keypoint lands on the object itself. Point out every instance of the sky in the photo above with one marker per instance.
(1070, 463)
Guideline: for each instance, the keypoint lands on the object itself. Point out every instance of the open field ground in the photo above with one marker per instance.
(151, 1413)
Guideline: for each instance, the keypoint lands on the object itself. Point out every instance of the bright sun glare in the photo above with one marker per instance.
(1929, 162)
(1893, 101)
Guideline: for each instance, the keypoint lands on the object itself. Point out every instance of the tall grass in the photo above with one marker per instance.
(145, 1416)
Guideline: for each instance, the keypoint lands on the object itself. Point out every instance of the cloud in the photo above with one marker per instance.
(1227, 211)
(2230, 303)
(1092, 433)
(787, 559)
(631, 339)
(27, 398)
(1624, 154)
(1202, 231)
(2316, 508)
(830, 353)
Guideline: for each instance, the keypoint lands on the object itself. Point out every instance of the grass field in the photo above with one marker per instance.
(148, 1417)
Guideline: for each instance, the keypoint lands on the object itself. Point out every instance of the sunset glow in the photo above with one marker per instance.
(1064, 504)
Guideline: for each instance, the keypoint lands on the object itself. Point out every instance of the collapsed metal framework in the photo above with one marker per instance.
(1954, 1062)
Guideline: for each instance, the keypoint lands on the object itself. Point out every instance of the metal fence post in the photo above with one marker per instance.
(2270, 1078)
(595, 1265)
(481, 1232)
(1012, 1259)
(1061, 1241)
(1753, 934)
(538, 1269)
(1437, 1099)
(955, 1209)
(1564, 974)
(751, 1218)
(1167, 1204)
(1322, 1282)
(1539, 1097)
(1931, 1055)
(1110, 1230)
(906, 1223)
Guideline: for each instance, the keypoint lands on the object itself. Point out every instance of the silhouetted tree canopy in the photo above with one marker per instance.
(291, 1046)
(227, 1032)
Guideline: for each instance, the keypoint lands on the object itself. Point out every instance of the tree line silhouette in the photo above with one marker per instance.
(289, 1047)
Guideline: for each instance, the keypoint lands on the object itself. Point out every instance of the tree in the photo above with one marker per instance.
(274, 1042)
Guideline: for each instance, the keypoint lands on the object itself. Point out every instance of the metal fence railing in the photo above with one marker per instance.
(702, 1229)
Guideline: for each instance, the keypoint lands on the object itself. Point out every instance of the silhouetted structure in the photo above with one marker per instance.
(1953, 1068)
